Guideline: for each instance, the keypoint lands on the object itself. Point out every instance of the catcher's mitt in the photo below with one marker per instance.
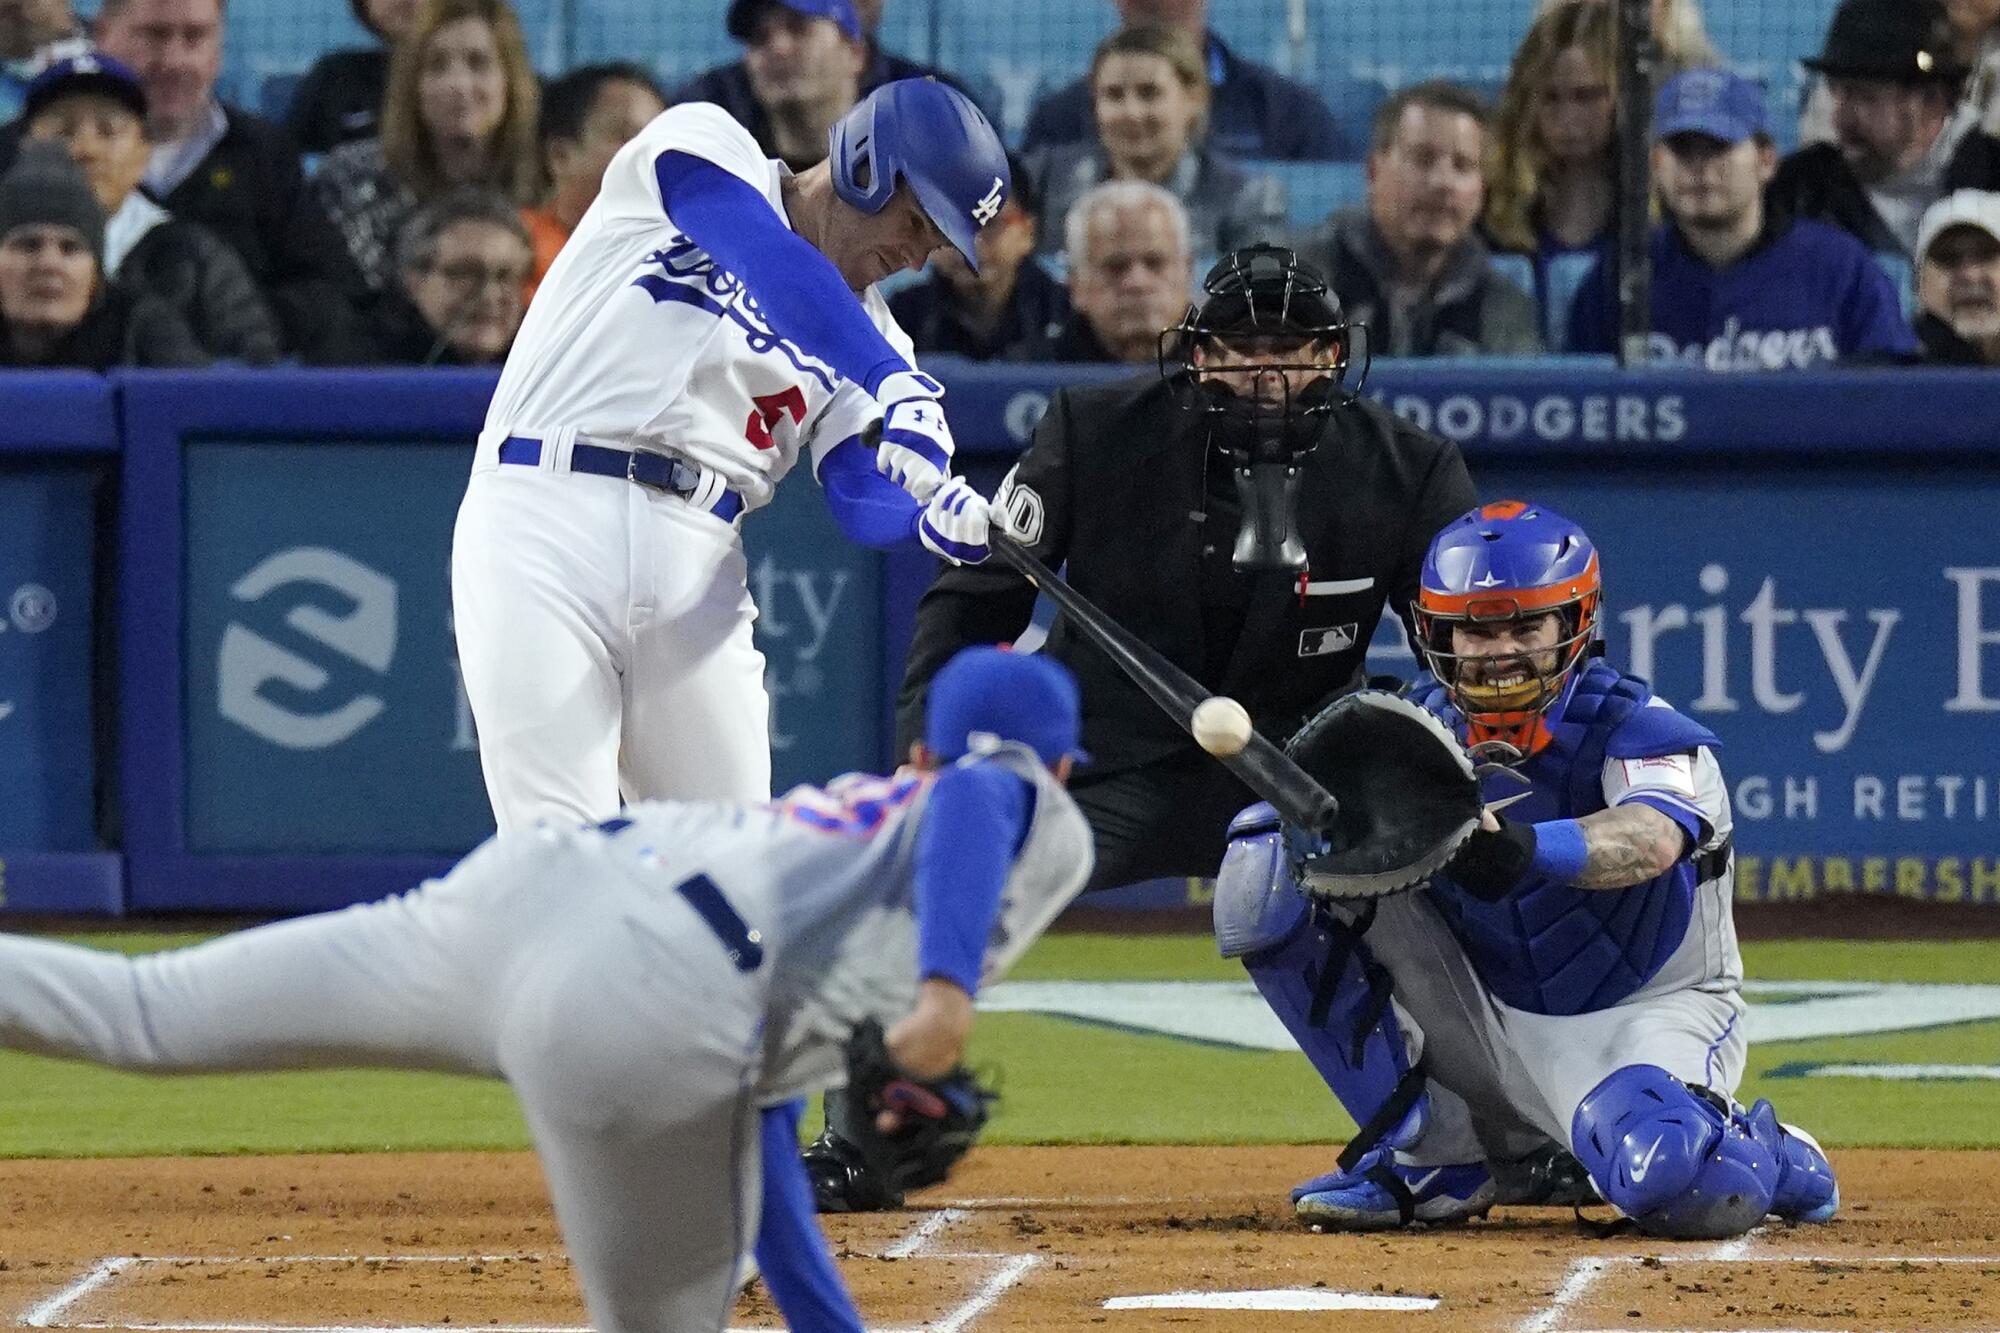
(854, 1166)
(1408, 793)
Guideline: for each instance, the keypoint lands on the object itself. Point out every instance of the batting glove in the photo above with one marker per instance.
(914, 448)
(955, 522)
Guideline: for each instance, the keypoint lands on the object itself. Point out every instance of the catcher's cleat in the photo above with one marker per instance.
(1807, 1190)
(842, 1180)
(1548, 1178)
(1380, 1194)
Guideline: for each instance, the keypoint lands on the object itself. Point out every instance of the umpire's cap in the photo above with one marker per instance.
(986, 694)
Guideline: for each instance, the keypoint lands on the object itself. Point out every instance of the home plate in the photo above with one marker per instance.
(1293, 1298)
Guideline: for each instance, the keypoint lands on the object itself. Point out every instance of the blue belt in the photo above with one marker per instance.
(648, 467)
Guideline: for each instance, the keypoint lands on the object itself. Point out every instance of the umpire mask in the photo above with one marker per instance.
(1268, 357)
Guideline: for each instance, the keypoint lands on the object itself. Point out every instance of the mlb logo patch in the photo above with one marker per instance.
(1329, 639)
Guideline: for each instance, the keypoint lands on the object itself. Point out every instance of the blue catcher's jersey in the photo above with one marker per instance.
(1551, 948)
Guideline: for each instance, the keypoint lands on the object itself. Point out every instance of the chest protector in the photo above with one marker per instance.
(1552, 948)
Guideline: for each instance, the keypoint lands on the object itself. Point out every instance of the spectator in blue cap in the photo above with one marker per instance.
(1735, 286)
(805, 62)
(95, 107)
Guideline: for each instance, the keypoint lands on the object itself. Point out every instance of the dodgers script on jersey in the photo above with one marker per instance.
(636, 337)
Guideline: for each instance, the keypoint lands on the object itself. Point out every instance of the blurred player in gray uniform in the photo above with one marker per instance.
(1572, 977)
(647, 985)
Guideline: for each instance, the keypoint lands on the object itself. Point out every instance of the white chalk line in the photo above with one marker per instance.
(45, 1314)
(1583, 1274)
(918, 1243)
(919, 1239)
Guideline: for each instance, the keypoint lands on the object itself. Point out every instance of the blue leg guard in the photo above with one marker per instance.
(1807, 1190)
(1678, 1160)
(1318, 977)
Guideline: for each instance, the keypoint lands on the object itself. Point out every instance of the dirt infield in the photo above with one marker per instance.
(1023, 1238)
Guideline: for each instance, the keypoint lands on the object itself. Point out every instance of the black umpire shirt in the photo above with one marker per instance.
(1120, 483)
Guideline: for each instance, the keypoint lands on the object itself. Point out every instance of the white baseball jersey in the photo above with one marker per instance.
(605, 629)
(636, 336)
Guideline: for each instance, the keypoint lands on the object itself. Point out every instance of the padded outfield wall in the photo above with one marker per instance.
(227, 679)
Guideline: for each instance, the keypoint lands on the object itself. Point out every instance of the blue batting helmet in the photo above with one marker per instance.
(1505, 561)
(931, 137)
(994, 693)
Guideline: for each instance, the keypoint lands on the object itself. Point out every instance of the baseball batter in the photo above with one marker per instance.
(1573, 976)
(646, 984)
(711, 317)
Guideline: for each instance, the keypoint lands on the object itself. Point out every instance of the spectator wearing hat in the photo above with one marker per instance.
(235, 173)
(340, 98)
(56, 306)
(587, 116)
(462, 264)
(460, 113)
(1894, 75)
(1254, 111)
(1409, 264)
(805, 62)
(1958, 280)
(34, 34)
(1737, 287)
(1002, 311)
(96, 108)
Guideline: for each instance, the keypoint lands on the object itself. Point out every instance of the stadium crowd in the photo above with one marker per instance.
(421, 187)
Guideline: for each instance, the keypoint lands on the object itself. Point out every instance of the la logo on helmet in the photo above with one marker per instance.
(988, 208)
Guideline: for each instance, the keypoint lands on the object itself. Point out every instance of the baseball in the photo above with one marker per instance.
(1220, 725)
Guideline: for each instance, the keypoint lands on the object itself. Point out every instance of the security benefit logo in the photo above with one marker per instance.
(31, 609)
(300, 660)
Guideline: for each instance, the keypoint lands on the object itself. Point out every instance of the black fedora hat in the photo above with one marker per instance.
(1906, 41)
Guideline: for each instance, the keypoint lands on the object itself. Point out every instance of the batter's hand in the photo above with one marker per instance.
(955, 522)
(914, 447)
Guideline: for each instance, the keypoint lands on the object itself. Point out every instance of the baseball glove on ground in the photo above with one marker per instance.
(1408, 794)
(857, 1168)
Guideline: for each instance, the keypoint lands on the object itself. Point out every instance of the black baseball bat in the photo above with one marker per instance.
(1263, 767)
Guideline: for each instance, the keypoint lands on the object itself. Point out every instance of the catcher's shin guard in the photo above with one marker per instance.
(1319, 978)
(1680, 1161)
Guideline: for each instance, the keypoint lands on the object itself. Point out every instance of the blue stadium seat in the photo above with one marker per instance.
(676, 39)
(1012, 54)
(909, 29)
(1397, 42)
(1261, 30)
(1315, 189)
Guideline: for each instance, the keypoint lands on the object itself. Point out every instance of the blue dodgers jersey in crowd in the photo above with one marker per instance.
(1552, 948)
(1808, 295)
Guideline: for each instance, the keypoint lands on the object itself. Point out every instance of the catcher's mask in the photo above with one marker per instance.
(1267, 355)
(1502, 568)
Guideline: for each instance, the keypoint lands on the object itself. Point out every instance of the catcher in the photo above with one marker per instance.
(1570, 974)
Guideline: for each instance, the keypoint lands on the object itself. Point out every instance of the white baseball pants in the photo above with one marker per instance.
(604, 634)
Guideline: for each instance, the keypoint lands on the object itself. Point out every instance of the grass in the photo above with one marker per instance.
(1062, 1081)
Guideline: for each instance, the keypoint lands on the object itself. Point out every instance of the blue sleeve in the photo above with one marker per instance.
(790, 1248)
(871, 509)
(1873, 323)
(796, 287)
(972, 828)
(1591, 319)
